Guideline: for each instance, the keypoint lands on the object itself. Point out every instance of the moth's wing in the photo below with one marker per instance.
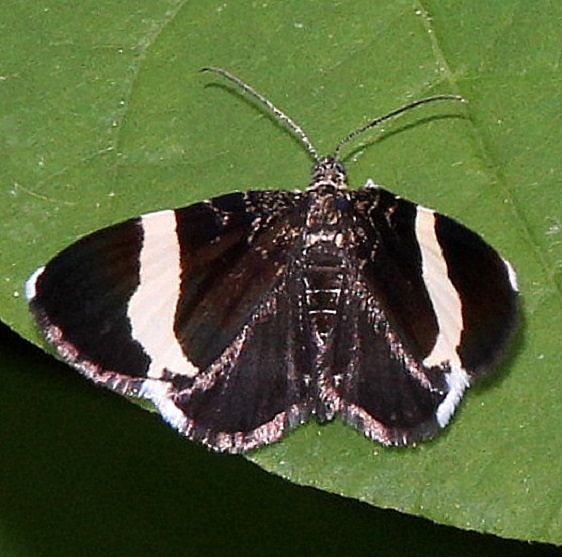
(377, 387)
(433, 308)
(149, 307)
(261, 386)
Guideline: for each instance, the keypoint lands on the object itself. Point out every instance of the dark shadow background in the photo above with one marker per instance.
(85, 472)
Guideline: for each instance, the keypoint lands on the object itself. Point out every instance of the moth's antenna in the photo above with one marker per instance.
(352, 135)
(279, 114)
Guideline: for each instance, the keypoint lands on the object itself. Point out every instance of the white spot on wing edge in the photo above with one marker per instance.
(152, 307)
(371, 184)
(512, 275)
(31, 284)
(159, 393)
(444, 297)
(457, 380)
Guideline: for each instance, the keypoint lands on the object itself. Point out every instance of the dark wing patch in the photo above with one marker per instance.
(230, 265)
(261, 386)
(81, 296)
(486, 286)
(375, 385)
(391, 267)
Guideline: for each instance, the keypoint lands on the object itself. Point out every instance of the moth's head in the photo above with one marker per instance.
(328, 171)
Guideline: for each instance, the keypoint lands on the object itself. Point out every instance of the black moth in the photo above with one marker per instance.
(242, 316)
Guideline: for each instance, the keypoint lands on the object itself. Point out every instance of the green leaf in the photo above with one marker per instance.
(104, 116)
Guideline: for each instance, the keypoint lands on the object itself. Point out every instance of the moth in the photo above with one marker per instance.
(245, 315)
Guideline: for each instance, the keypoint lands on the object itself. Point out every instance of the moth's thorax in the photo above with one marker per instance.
(328, 210)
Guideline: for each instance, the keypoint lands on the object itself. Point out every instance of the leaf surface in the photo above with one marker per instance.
(105, 116)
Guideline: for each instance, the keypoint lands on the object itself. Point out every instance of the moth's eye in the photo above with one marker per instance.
(342, 204)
